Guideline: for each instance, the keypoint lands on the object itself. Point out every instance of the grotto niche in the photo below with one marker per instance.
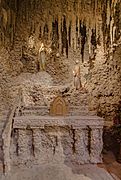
(65, 50)
(46, 39)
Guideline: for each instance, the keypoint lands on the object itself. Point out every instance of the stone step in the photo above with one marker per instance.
(41, 113)
(82, 113)
(43, 110)
(45, 107)
(35, 112)
(78, 108)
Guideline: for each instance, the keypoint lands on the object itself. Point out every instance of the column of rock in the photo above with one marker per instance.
(81, 136)
(96, 144)
(38, 149)
(24, 144)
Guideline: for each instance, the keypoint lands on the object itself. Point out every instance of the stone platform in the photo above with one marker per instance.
(71, 140)
(71, 135)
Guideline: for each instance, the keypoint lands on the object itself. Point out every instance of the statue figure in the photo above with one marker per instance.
(31, 42)
(42, 58)
(76, 74)
(44, 51)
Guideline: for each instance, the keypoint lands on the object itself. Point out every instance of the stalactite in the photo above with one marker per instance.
(60, 33)
(55, 35)
(14, 22)
(115, 33)
(34, 4)
(0, 39)
(111, 30)
(83, 38)
(117, 20)
(64, 37)
(93, 40)
(18, 6)
(67, 27)
(69, 34)
(4, 18)
(11, 28)
(26, 11)
(77, 29)
(33, 27)
(89, 41)
(45, 33)
(49, 29)
(93, 6)
(73, 32)
(108, 13)
(110, 23)
(104, 20)
(40, 32)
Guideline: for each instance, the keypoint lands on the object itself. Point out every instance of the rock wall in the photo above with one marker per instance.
(105, 86)
(68, 30)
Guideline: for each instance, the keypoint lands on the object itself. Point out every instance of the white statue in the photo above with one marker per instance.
(44, 51)
(42, 57)
(31, 42)
(76, 74)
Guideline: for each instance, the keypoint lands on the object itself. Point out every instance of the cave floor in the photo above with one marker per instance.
(111, 165)
(60, 172)
(83, 172)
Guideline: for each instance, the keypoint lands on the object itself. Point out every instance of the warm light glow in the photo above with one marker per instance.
(41, 47)
(49, 50)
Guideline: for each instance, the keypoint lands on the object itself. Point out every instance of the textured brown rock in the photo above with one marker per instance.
(85, 30)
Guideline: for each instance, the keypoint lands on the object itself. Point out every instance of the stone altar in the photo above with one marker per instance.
(56, 139)
(32, 137)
